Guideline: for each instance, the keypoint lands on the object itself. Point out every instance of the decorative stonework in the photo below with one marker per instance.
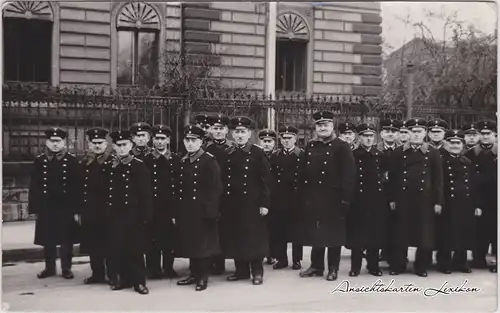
(291, 26)
(29, 10)
(138, 15)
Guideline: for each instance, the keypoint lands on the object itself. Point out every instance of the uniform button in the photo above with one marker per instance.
(244, 192)
(126, 202)
(323, 162)
(126, 195)
(361, 190)
(194, 190)
(155, 180)
(45, 172)
(305, 182)
(155, 195)
(228, 192)
(423, 181)
(323, 173)
(84, 200)
(327, 152)
(173, 186)
(154, 165)
(310, 162)
(194, 182)
(45, 191)
(194, 198)
(45, 185)
(279, 181)
(319, 182)
(84, 192)
(155, 187)
(452, 195)
(246, 167)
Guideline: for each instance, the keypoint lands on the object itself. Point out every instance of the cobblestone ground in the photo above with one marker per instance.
(282, 290)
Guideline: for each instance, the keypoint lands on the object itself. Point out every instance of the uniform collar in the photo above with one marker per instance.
(326, 140)
(385, 146)
(478, 149)
(50, 155)
(157, 154)
(144, 151)
(126, 160)
(194, 157)
(91, 157)
(372, 150)
(246, 148)
(439, 146)
(424, 147)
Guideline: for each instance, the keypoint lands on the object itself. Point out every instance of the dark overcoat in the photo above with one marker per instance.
(200, 187)
(95, 213)
(246, 189)
(485, 163)
(285, 169)
(141, 153)
(416, 185)
(54, 196)
(164, 172)
(455, 225)
(368, 214)
(391, 215)
(327, 179)
(130, 199)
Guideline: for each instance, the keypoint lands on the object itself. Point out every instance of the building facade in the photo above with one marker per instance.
(322, 48)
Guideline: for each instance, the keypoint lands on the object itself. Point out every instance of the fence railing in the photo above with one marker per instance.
(28, 111)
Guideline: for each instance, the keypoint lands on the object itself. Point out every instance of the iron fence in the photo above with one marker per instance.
(29, 110)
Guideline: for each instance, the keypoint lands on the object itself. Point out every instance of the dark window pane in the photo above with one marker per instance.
(125, 57)
(147, 59)
(27, 50)
(290, 65)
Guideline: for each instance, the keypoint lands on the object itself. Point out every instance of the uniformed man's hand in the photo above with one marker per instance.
(478, 212)
(263, 211)
(392, 205)
(77, 219)
(173, 221)
(437, 208)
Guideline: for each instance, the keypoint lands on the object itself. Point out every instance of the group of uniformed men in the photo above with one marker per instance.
(227, 199)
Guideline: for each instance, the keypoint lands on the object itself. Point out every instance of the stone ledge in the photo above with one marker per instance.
(32, 254)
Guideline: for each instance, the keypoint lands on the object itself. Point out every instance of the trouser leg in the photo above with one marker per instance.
(256, 267)
(318, 258)
(168, 260)
(297, 252)
(423, 258)
(334, 257)
(111, 268)
(459, 260)
(50, 254)
(66, 252)
(281, 251)
(242, 268)
(356, 259)
(398, 259)
(372, 258)
(136, 269)
(97, 264)
(153, 260)
(481, 245)
(443, 257)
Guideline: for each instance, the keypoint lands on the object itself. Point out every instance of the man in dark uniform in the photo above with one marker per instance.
(163, 167)
(484, 160)
(54, 196)
(130, 202)
(246, 201)
(267, 141)
(95, 213)
(347, 133)
(471, 136)
(368, 212)
(437, 129)
(203, 122)
(327, 180)
(200, 188)
(416, 193)
(285, 167)
(455, 223)
(404, 134)
(389, 133)
(217, 146)
(140, 136)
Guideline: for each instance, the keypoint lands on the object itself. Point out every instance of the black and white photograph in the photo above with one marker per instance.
(249, 156)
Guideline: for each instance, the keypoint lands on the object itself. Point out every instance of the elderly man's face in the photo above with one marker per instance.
(324, 129)
(389, 135)
(160, 142)
(417, 135)
(267, 144)
(288, 141)
(219, 132)
(436, 135)
(487, 137)
(471, 139)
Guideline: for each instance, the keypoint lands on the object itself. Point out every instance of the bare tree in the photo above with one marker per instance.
(458, 71)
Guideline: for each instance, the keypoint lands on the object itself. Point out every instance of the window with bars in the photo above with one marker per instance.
(291, 65)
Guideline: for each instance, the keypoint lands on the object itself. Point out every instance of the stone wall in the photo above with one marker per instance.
(85, 43)
(242, 29)
(347, 51)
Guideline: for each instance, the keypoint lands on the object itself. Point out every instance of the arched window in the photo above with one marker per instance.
(27, 41)
(292, 36)
(138, 28)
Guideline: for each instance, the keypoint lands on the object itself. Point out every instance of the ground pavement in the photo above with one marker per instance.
(283, 290)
